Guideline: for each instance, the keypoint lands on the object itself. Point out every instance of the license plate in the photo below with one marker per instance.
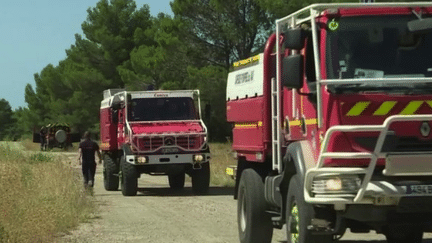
(419, 190)
(408, 165)
(169, 150)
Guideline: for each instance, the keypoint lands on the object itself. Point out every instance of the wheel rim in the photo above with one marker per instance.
(294, 224)
(243, 219)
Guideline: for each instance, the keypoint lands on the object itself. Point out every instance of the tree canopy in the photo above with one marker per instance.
(7, 120)
(124, 46)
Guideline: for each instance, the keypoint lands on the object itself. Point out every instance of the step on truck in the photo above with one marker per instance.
(153, 132)
(332, 125)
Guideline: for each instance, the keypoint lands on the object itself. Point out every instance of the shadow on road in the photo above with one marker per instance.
(368, 241)
(187, 191)
(375, 241)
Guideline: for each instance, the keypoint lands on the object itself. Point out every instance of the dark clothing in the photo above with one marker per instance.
(89, 171)
(88, 149)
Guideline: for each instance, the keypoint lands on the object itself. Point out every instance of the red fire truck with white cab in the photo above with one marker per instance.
(153, 132)
(332, 125)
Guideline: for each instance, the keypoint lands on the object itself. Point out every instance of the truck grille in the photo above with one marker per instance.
(152, 144)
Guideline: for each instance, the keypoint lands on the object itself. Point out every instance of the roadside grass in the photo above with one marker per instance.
(29, 145)
(221, 158)
(40, 197)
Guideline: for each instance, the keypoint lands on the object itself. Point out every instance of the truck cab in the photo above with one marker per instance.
(153, 132)
(343, 139)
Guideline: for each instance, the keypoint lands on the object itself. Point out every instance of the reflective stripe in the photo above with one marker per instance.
(358, 108)
(411, 108)
(385, 108)
(295, 123)
(311, 121)
(248, 125)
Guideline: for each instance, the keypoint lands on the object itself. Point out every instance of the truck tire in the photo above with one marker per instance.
(402, 234)
(254, 224)
(110, 174)
(201, 179)
(129, 178)
(177, 181)
(299, 215)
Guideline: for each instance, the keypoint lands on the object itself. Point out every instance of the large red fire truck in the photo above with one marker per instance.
(332, 125)
(153, 132)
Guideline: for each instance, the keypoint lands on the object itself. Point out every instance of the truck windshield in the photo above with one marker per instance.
(378, 47)
(162, 109)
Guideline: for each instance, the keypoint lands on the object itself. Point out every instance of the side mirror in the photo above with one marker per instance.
(114, 116)
(292, 71)
(294, 38)
(420, 25)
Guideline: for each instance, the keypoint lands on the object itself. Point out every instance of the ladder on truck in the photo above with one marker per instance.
(276, 124)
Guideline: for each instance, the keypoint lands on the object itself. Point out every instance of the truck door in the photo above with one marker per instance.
(299, 106)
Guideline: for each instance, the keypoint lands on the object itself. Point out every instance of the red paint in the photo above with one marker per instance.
(168, 127)
(148, 137)
(248, 140)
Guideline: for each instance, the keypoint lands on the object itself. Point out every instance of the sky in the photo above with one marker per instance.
(37, 33)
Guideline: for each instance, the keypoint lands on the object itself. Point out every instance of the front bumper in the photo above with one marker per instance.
(370, 191)
(167, 159)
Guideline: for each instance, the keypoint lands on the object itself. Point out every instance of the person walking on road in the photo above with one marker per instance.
(87, 150)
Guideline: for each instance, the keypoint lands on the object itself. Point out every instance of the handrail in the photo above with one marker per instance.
(368, 172)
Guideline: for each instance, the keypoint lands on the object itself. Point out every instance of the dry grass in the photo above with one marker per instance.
(221, 158)
(30, 146)
(39, 197)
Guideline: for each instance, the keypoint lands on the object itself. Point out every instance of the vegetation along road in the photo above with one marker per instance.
(158, 214)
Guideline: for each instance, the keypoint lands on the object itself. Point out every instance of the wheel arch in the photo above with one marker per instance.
(262, 168)
(126, 149)
(296, 161)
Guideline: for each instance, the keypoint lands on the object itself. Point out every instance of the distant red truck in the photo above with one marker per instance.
(153, 132)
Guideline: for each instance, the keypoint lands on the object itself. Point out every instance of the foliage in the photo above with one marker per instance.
(7, 120)
(220, 31)
(211, 81)
(125, 47)
(71, 92)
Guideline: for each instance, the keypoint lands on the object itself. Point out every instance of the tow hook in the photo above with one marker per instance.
(319, 225)
(196, 166)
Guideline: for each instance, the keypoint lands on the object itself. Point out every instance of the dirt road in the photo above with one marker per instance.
(158, 214)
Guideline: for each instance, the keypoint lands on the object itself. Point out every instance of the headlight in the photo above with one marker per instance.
(142, 160)
(336, 184)
(198, 158)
